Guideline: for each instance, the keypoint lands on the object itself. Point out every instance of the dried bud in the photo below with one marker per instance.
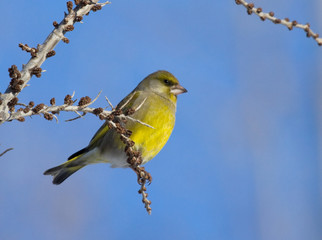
(21, 119)
(77, 2)
(53, 101)
(38, 108)
(128, 133)
(27, 109)
(271, 14)
(65, 40)
(68, 100)
(117, 112)
(50, 54)
(69, 6)
(36, 71)
(13, 102)
(130, 143)
(14, 72)
(277, 21)
(78, 18)
(48, 116)
(55, 24)
(259, 10)
(98, 111)
(110, 117)
(250, 5)
(101, 116)
(31, 104)
(96, 7)
(130, 111)
(84, 101)
(69, 28)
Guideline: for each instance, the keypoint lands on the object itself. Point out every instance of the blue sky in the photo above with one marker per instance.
(244, 160)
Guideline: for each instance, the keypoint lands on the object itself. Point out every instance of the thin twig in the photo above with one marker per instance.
(21, 78)
(9, 149)
(109, 103)
(286, 22)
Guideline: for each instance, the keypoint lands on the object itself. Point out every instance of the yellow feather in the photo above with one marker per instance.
(161, 116)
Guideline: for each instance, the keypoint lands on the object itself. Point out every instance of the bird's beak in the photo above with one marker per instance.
(178, 89)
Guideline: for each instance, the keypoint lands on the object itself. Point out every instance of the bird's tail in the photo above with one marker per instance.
(63, 171)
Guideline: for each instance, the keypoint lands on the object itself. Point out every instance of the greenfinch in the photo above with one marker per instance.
(155, 99)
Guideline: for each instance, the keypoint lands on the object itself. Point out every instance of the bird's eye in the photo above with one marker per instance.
(166, 81)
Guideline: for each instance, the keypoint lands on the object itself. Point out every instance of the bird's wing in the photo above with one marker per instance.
(128, 102)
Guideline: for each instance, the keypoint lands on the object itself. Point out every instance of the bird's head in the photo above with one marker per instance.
(162, 83)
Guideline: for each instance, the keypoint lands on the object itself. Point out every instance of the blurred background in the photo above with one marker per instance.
(244, 160)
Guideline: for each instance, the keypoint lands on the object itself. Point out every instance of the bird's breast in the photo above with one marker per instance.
(158, 113)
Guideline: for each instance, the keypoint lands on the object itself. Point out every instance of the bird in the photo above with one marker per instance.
(155, 99)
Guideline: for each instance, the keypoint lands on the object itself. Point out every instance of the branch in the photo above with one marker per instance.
(115, 119)
(116, 122)
(7, 150)
(20, 79)
(286, 22)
